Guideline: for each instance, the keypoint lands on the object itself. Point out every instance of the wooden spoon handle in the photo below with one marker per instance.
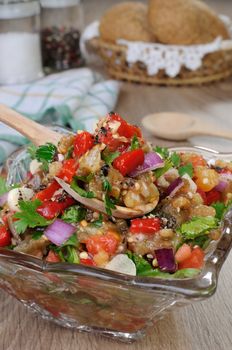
(36, 133)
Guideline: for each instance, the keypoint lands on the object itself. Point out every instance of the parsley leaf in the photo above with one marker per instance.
(74, 214)
(159, 172)
(28, 217)
(46, 153)
(141, 264)
(98, 222)
(106, 185)
(3, 186)
(85, 179)
(81, 191)
(37, 235)
(163, 151)
(221, 208)
(31, 150)
(109, 204)
(186, 169)
(110, 157)
(175, 158)
(134, 143)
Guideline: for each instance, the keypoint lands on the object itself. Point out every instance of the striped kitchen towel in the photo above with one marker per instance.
(76, 98)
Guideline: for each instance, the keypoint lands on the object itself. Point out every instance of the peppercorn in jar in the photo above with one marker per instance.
(61, 23)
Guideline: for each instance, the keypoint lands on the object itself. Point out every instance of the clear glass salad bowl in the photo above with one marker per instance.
(100, 301)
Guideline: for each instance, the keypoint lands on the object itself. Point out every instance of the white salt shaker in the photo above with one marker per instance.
(20, 52)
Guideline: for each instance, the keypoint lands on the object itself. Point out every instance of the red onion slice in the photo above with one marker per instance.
(174, 187)
(59, 231)
(3, 199)
(166, 260)
(152, 161)
(221, 186)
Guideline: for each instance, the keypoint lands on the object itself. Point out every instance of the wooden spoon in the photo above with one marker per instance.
(39, 135)
(178, 126)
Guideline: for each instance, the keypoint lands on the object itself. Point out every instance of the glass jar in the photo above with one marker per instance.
(20, 53)
(61, 22)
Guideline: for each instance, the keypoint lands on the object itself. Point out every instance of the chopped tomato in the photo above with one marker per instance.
(107, 138)
(195, 261)
(68, 170)
(212, 197)
(146, 226)
(108, 242)
(5, 237)
(51, 209)
(52, 257)
(203, 195)
(82, 143)
(129, 161)
(206, 179)
(88, 262)
(183, 253)
(125, 129)
(48, 192)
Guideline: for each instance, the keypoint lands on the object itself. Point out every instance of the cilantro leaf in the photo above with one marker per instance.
(71, 241)
(163, 151)
(109, 204)
(106, 185)
(28, 216)
(134, 143)
(167, 165)
(141, 264)
(85, 179)
(31, 150)
(3, 186)
(46, 153)
(37, 235)
(74, 214)
(81, 191)
(110, 157)
(186, 169)
(98, 222)
(175, 159)
(198, 226)
(221, 208)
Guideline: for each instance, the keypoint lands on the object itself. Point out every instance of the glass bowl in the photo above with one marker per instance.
(100, 301)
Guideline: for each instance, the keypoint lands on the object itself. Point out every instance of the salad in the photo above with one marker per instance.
(179, 198)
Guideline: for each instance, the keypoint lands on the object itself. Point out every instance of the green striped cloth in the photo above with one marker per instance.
(76, 98)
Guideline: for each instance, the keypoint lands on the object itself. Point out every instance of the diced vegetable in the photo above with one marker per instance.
(183, 253)
(108, 242)
(121, 263)
(152, 161)
(165, 259)
(53, 257)
(83, 142)
(5, 237)
(195, 261)
(48, 192)
(68, 170)
(59, 231)
(147, 226)
(129, 161)
(174, 187)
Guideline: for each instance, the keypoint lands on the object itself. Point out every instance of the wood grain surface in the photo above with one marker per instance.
(201, 326)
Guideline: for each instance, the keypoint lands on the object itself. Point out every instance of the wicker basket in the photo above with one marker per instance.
(215, 66)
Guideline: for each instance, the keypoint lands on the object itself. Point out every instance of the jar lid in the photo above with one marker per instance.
(10, 9)
(59, 3)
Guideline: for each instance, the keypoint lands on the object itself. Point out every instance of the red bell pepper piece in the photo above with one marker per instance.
(212, 197)
(195, 261)
(48, 192)
(5, 237)
(51, 209)
(147, 226)
(129, 161)
(68, 170)
(82, 143)
(125, 129)
(203, 195)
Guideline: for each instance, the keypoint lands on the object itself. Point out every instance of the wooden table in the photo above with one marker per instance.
(201, 326)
